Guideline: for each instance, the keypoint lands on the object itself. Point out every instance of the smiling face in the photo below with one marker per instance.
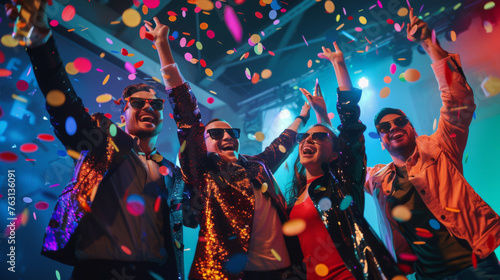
(227, 147)
(145, 122)
(313, 153)
(399, 140)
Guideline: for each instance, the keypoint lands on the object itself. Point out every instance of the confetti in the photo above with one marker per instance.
(22, 85)
(419, 242)
(258, 49)
(264, 187)
(45, 137)
(183, 147)
(68, 13)
(346, 202)
(402, 12)
(276, 255)
(488, 27)
(401, 213)
(188, 57)
(398, 27)
(424, 234)
(325, 204)
(233, 23)
(152, 4)
(58, 275)
(126, 250)
(362, 20)
(490, 5)
(103, 98)
(259, 136)
(130, 68)
(258, 15)
(210, 34)
(54, 23)
(402, 266)
(164, 170)
(70, 126)
(379, 4)
(266, 74)
(321, 270)
(255, 78)
(453, 36)
(331, 115)
(135, 204)
(82, 65)
(27, 199)
(157, 203)
(309, 63)
(28, 148)
(452, 209)
(255, 38)
(209, 72)
(294, 227)
(390, 21)
(55, 98)
(41, 205)
(387, 79)
(5, 73)
(412, 75)
(106, 79)
(205, 5)
(273, 14)
(210, 100)
(73, 154)
(393, 68)
(384, 92)
(8, 41)
(402, 77)
(434, 224)
(131, 17)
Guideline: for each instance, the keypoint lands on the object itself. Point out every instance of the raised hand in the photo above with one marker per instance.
(335, 57)
(160, 31)
(317, 102)
(39, 22)
(417, 30)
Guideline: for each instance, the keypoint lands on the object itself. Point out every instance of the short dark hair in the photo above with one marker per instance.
(215, 120)
(387, 111)
(130, 90)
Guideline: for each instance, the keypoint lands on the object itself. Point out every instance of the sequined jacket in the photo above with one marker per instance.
(435, 169)
(361, 250)
(102, 147)
(224, 194)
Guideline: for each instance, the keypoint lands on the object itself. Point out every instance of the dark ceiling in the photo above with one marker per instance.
(304, 27)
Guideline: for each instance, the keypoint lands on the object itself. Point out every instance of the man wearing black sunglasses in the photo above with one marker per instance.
(241, 208)
(452, 231)
(93, 226)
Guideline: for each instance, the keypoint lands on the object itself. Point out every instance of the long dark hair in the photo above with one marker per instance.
(299, 181)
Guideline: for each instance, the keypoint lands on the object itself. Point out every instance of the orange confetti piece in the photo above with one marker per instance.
(106, 79)
(452, 209)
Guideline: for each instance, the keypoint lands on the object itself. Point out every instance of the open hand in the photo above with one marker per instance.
(335, 57)
(160, 31)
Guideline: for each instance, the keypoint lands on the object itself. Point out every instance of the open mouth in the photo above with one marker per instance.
(308, 150)
(228, 147)
(147, 119)
(397, 135)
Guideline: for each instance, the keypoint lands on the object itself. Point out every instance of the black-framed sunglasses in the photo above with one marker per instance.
(218, 133)
(385, 127)
(139, 103)
(316, 136)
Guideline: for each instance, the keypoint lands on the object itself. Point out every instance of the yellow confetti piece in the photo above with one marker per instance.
(131, 17)
(452, 209)
(19, 98)
(321, 270)
(55, 98)
(156, 80)
(282, 148)
(401, 213)
(106, 79)
(255, 38)
(362, 20)
(230, 52)
(329, 6)
(322, 189)
(199, 45)
(276, 255)
(403, 12)
(340, 26)
(177, 244)
(419, 242)
(259, 136)
(114, 145)
(264, 187)
(489, 5)
(205, 5)
(294, 227)
(213, 92)
(434, 124)
(209, 72)
(70, 68)
(74, 154)
(399, 277)
(103, 98)
(120, 125)
(337, 18)
(183, 147)
(115, 22)
(25, 216)
(266, 74)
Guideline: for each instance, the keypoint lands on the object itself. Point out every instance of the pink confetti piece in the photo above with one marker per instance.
(393, 68)
(379, 4)
(210, 34)
(188, 56)
(34, 216)
(99, 70)
(397, 27)
(344, 11)
(152, 3)
(182, 42)
(372, 6)
(433, 36)
(54, 185)
(210, 100)
(408, 2)
(218, 5)
(82, 64)
(358, 29)
(109, 41)
(54, 23)
(305, 41)
(130, 67)
(131, 77)
(233, 23)
(68, 13)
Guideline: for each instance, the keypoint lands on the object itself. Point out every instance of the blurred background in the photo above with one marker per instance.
(245, 61)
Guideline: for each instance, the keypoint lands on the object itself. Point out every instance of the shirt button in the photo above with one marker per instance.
(432, 159)
(422, 191)
(388, 191)
(443, 217)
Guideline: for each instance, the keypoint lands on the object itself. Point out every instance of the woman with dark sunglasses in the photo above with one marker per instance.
(327, 192)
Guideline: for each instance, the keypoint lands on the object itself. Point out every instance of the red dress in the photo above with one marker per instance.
(317, 245)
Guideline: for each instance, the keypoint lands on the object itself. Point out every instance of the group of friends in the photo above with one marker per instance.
(236, 201)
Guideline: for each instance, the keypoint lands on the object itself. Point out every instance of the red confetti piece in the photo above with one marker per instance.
(271, 53)
(8, 157)
(29, 148)
(54, 23)
(424, 234)
(453, 135)
(138, 64)
(42, 205)
(350, 18)
(172, 13)
(2, 57)
(405, 268)
(151, 3)
(255, 78)
(124, 52)
(390, 21)
(157, 203)
(5, 73)
(108, 115)
(171, 116)
(68, 13)
(408, 257)
(190, 43)
(203, 63)
(164, 170)
(258, 15)
(136, 3)
(246, 55)
(22, 85)
(474, 260)
(82, 64)
(142, 32)
(46, 137)
(126, 250)
(239, 2)
(210, 100)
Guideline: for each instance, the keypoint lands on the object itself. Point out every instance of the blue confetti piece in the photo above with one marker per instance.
(325, 203)
(345, 202)
(273, 14)
(175, 34)
(275, 5)
(373, 135)
(434, 224)
(70, 126)
(115, 52)
(62, 153)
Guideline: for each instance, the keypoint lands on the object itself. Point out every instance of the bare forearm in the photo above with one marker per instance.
(164, 51)
(342, 75)
(434, 50)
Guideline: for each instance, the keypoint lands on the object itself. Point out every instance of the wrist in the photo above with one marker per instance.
(304, 119)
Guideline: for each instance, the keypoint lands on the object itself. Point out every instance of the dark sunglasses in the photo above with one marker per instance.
(139, 103)
(385, 127)
(316, 136)
(218, 133)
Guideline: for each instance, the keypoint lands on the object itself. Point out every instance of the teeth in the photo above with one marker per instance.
(307, 151)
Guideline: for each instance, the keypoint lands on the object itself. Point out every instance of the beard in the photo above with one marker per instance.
(148, 133)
